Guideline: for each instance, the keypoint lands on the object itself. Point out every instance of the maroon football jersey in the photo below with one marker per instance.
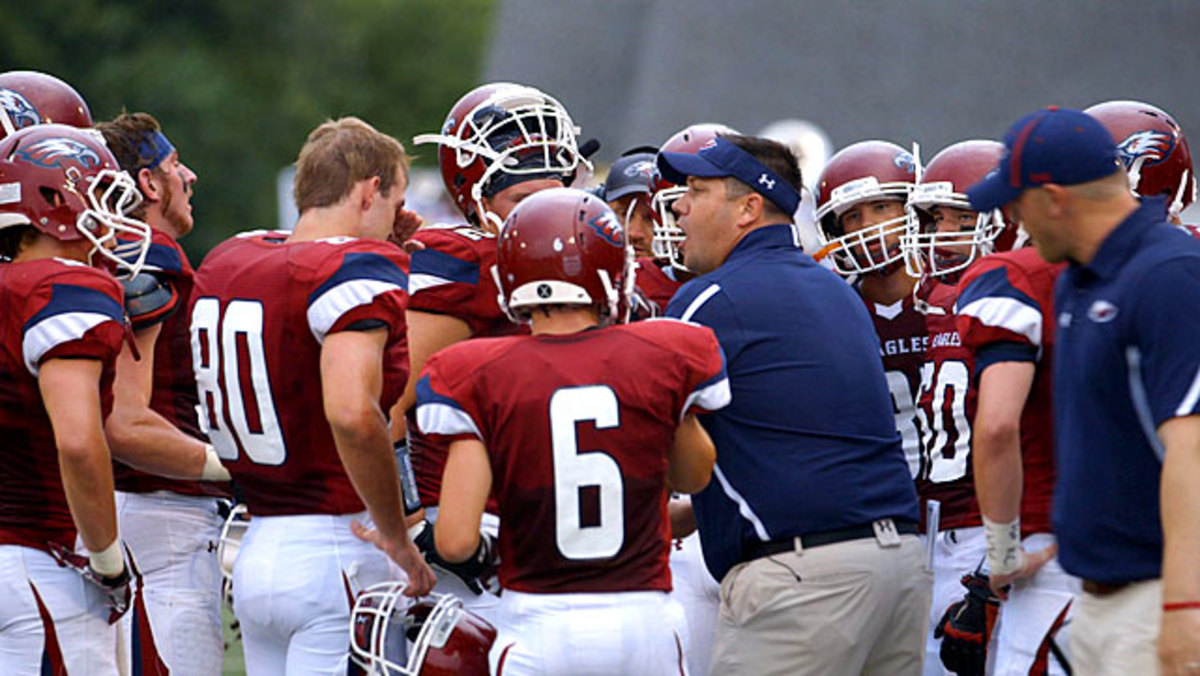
(260, 311)
(945, 408)
(174, 394)
(657, 283)
(902, 341)
(452, 276)
(577, 429)
(1009, 298)
(49, 308)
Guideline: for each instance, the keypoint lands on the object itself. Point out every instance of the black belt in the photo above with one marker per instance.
(757, 550)
(1097, 588)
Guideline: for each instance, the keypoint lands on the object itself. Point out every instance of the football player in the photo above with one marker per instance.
(947, 240)
(860, 217)
(627, 191)
(501, 143)
(62, 203)
(171, 526)
(297, 346)
(582, 456)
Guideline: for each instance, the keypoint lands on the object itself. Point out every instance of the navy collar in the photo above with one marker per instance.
(1120, 244)
(766, 237)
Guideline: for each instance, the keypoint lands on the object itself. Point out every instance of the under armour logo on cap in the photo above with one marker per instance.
(764, 180)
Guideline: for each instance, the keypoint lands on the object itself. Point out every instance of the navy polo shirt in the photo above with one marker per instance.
(1126, 360)
(809, 442)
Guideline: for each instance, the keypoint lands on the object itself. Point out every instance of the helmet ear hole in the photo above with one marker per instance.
(54, 198)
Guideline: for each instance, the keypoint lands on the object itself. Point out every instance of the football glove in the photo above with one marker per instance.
(116, 590)
(966, 627)
(476, 572)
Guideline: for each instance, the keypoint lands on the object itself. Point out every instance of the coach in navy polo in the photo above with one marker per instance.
(1127, 392)
(810, 520)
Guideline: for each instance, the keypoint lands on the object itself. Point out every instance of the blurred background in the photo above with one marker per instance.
(238, 84)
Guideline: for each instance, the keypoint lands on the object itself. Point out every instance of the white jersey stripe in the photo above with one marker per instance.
(54, 331)
(419, 281)
(436, 418)
(1007, 313)
(324, 312)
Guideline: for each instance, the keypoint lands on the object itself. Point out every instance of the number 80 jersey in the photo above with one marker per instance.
(577, 429)
(261, 309)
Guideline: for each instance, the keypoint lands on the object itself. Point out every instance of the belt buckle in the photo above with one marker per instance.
(885, 533)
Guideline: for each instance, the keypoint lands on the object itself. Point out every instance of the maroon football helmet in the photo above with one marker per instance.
(65, 182)
(436, 636)
(664, 194)
(1153, 148)
(944, 182)
(28, 97)
(863, 172)
(502, 131)
(564, 247)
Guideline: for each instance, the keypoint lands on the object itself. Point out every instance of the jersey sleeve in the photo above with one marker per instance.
(445, 274)
(1164, 363)
(365, 285)
(447, 406)
(79, 315)
(998, 316)
(707, 381)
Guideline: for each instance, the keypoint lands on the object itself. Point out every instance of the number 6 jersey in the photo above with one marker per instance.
(577, 429)
(260, 311)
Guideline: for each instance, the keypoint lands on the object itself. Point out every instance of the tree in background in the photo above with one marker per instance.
(237, 85)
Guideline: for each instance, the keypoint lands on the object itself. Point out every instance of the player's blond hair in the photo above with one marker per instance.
(340, 153)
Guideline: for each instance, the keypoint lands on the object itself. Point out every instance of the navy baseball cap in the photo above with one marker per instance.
(721, 158)
(1053, 145)
(630, 174)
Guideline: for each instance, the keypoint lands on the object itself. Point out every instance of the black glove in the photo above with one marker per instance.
(475, 572)
(966, 627)
(115, 589)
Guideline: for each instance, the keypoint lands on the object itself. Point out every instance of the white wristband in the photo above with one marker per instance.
(108, 562)
(1004, 555)
(213, 469)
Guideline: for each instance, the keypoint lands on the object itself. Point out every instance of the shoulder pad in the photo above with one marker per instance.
(149, 299)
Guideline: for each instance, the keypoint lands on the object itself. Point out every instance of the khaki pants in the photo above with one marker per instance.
(1117, 634)
(838, 610)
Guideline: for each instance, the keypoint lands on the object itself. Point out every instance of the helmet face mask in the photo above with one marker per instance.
(391, 636)
(65, 183)
(498, 135)
(864, 172)
(564, 247)
(943, 183)
(663, 194)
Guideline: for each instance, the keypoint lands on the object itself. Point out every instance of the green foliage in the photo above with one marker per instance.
(238, 85)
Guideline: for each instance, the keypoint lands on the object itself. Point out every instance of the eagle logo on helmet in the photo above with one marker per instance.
(644, 169)
(905, 161)
(1155, 146)
(60, 152)
(608, 227)
(19, 109)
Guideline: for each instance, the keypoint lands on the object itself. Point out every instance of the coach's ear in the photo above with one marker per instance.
(147, 183)
(750, 209)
